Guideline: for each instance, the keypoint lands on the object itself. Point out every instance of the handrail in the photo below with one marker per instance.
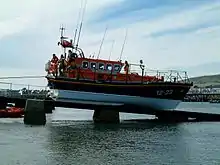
(21, 77)
(81, 53)
(23, 92)
(171, 75)
(27, 86)
(23, 84)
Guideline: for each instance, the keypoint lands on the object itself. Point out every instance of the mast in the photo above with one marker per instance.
(102, 42)
(113, 42)
(80, 29)
(77, 43)
(77, 24)
(61, 32)
(123, 44)
(62, 29)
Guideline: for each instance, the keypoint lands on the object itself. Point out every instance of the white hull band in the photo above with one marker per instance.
(112, 99)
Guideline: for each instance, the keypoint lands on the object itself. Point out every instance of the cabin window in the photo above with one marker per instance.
(101, 66)
(117, 68)
(85, 64)
(93, 65)
(109, 67)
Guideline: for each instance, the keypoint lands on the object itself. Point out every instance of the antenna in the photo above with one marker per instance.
(80, 29)
(77, 24)
(74, 40)
(111, 49)
(102, 42)
(62, 29)
(123, 44)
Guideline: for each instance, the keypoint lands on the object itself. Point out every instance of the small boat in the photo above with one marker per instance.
(99, 81)
(11, 112)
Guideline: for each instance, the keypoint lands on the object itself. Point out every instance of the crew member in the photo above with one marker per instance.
(71, 55)
(62, 65)
(72, 64)
(126, 67)
(72, 69)
(54, 62)
(47, 67)
(54, 59)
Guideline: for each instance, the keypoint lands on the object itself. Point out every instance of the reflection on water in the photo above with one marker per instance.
(86, 143)
(131, 143)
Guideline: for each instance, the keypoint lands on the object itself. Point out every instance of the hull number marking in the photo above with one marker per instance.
(164, 92)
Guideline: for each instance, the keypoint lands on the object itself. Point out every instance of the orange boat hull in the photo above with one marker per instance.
(12, 113)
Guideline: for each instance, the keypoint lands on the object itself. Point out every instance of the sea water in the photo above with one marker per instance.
(71, 138)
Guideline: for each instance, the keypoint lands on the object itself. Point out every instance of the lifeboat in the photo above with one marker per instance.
(88, 80)
(11, 112)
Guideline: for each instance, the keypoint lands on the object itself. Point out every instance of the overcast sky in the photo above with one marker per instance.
(164, 33)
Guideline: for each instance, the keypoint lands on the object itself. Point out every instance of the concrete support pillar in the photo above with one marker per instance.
(34, 113)
(49, 106)
(3, 105)
(106, 116)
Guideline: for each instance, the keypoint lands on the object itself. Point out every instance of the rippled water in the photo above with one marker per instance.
(70, 137)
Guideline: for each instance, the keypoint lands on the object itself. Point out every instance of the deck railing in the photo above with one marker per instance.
(170, 75)
(167, 75)
(157, 75)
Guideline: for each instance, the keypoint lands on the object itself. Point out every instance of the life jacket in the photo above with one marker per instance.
(55, 59)
(53, 67)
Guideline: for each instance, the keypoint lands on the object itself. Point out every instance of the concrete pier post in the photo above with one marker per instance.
(34, 113)
(101, 115)
(49, 106)
(3, 105)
